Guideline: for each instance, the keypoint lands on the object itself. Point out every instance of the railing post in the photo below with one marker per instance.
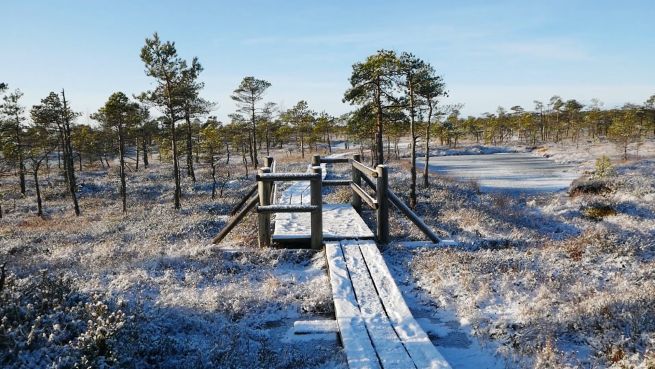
(264, 219)
(383, 204)
(268, 163)
(316, 189)
(316, 160)
(356, 178)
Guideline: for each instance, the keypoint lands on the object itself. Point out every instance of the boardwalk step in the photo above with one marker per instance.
(315, 326)
(372, 314)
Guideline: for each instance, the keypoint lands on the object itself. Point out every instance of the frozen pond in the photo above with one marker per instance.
(506, 172)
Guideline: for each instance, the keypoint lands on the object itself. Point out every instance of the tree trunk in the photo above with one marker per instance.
(254, 136)
(189, 149)
(68, 156)
(329, 142)
(268, 140)
(144, 151)
(378, 117)
(412, 132)
(176, 170)
(426, 181)
(136, 145)
(245, 161)
(121, 153)
(39, 206)
(250, 148)
(213, 166)
(21, 160)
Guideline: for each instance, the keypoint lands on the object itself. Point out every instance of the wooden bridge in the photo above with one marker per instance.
(375, 325)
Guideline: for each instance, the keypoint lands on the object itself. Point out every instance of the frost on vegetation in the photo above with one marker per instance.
(147, 289)
(45, 322)
(553, 281)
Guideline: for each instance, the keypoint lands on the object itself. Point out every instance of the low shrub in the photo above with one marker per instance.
(598, 211)
(589, 186)
(45, 322)
(603, 167)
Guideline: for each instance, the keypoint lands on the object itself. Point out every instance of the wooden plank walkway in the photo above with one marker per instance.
(339, 220)
(376, 327)
(372, 314)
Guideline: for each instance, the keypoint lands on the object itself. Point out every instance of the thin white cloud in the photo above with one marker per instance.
(566, 50)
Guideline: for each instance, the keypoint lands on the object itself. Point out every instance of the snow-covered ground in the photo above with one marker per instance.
(544, 280)
(536, 280)
(147, 289)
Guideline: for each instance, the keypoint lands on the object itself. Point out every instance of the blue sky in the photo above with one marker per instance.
(490, 52)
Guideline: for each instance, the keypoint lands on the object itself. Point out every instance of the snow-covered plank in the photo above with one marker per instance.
(354, 336)
(298, 192)
(315, 326)
(340, 221)
(390, 350)
(413, 337)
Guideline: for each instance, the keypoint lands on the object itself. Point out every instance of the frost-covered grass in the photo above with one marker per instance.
(148, 289)
(547, 280)
(535, 276)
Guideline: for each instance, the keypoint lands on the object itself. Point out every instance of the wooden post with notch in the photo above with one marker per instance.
(268, 163)
(316, 160)
(316, 189)
(264, 219)
(356, 178)
(383, 204)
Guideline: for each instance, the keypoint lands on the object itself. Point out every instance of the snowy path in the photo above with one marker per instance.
(506, 172)
(339, 220)
(376, 326)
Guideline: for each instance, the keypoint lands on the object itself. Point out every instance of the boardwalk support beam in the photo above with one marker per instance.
(237, 218)
(413, 217)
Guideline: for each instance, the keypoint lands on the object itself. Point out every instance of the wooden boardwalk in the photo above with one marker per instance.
(376, 327)
(339, 220)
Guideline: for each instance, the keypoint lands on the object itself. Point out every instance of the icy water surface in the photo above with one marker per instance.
(506, 172)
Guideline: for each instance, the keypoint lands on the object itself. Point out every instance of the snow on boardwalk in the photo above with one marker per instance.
(339, 220)
(377, 329)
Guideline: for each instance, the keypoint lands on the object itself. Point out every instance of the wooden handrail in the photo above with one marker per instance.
(365, 196)
(244, 199)
(336, 182)
(369, 182)
(335, 160)
(356, 178)
(286, 208)
(287, 177)
(412, 216)
(237, 218)
(364, 169)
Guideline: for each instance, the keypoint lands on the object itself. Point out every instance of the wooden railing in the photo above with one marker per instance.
(262, 197)
(265, 183)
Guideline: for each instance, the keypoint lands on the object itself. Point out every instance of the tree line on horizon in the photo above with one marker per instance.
(396, 95)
